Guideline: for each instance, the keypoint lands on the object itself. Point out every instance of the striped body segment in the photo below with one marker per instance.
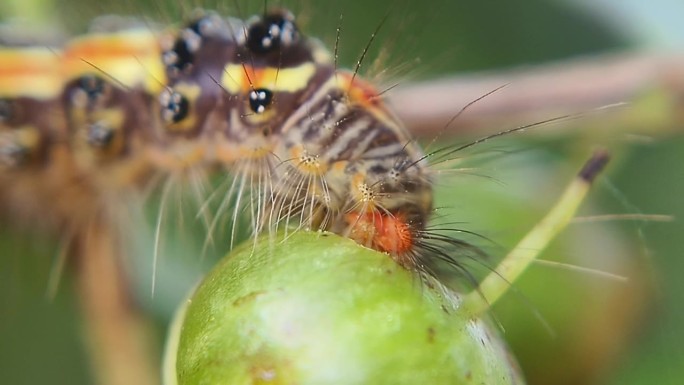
(33, 160)
(111, 76)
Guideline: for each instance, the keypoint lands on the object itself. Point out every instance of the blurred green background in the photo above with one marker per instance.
(40, 340)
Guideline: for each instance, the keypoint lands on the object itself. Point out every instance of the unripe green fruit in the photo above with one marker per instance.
(319, 309)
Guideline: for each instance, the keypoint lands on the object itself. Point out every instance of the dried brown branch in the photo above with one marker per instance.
(117, 335)
(649, 80)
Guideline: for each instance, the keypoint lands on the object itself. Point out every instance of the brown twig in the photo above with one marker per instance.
(116, 333)
(537, 92)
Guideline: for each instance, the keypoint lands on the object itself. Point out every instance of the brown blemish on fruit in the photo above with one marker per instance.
(248, 298)
(431, 335)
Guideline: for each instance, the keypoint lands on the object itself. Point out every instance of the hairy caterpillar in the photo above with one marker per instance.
(316, 143)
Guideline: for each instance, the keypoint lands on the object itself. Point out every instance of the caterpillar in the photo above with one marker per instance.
(316, 145)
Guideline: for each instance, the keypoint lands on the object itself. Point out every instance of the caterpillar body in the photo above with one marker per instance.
(307, 144)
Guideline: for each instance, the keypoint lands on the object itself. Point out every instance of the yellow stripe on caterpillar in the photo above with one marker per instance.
(131, 57)
(29, 71)
(240, 78)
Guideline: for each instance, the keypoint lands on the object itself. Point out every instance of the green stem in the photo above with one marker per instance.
(530, 247)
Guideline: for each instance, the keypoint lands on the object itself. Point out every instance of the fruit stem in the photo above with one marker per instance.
(530, 247)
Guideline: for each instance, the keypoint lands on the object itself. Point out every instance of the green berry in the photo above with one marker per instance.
(319, 309)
